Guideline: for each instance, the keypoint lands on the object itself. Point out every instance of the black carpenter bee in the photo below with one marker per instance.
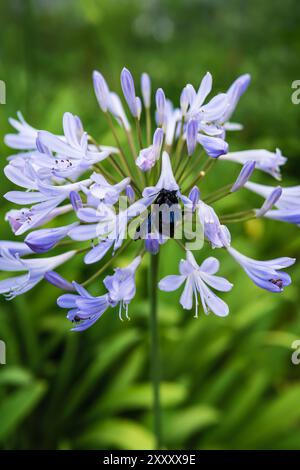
(156, 219)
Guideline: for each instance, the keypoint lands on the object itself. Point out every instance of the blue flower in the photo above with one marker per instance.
(85, 309)
(148, 157)
(197, 279)
(34, 268)
(128, 88)
(269, 162)
(265, 274)
(287, 204)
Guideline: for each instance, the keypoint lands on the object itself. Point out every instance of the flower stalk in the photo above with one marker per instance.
(154, 348)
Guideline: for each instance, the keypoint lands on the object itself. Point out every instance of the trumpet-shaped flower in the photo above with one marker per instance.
(41, 241)
(288, 204)
(269, 162)
(72, 154)
(265, 274)
(84, 309)
(26, 137)
(148, 157)
(216, 233)
(197, 279)
(128, 88)
(34, 269)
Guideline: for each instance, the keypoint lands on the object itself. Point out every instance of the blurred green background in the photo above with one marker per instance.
(227, 383)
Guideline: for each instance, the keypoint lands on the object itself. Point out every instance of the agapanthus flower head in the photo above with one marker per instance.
(149, 192)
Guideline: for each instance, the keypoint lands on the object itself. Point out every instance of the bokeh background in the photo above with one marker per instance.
(227, 383)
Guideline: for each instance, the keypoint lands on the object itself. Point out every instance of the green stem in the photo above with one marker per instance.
(238, 217)
(148, 126)
(219, 194)
(139, 133)
(155, 355)
(205, 169)
(186, 163)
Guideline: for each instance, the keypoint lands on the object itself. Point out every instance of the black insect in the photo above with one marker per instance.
(166, 197)
(157, 219)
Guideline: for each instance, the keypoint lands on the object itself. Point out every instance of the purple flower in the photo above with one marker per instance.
(146, 89)
(288, 205)
(269, 202)
(19, 248)
(22, 220)
(218, 235)
(129, 191)
(265, 274)
(128, 88)
(84, 309)
(191, 136)
(197, 279)
(152, 244)
(187, 97)
(213, 111)
(149, 156)
(184, 101)
(101, 90)
(160, 100)
(58, 281)
(194, 197)
(121, 286)
(50, 168)
(34, 269)
(75, 200)
(73, 154)
(171, 122)
(45, 200)
(105, 225)
(244, 176)
(266, 161)
(196, 100)
(236, 90)
(26, 137)
(102, 191)
(41, 241)
(213, 146)
(289, 199)
(115, 107)
(284, 215)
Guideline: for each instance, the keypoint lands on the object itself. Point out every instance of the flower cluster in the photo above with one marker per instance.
(107, 189)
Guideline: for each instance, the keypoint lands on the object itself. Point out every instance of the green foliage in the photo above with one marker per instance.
(228, 383)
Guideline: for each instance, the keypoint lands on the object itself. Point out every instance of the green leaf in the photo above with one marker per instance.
(13, 375)
(119, 434)
(182, 424)
(109, 352)
(273, 420)
(141, 397)
(19, 405)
